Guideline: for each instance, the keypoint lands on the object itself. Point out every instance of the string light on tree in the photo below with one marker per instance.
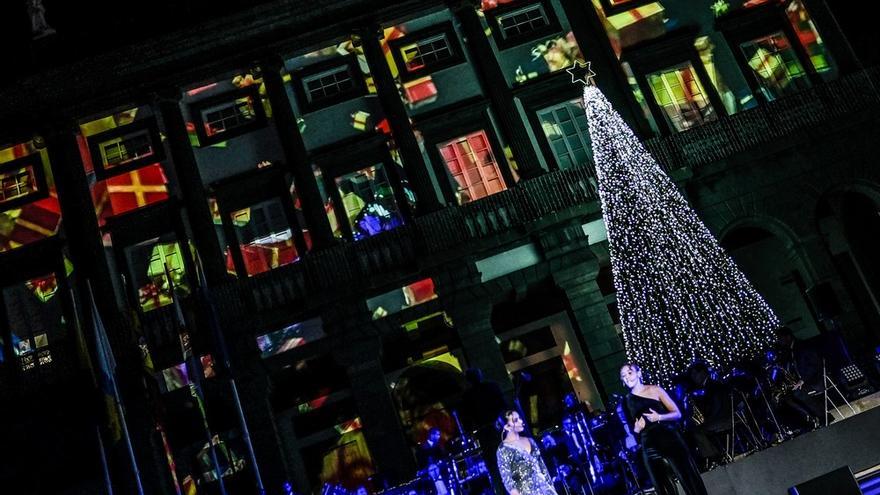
(680, 295)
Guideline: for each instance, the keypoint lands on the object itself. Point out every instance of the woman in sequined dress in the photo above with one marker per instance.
(652, 415)
(519, 461)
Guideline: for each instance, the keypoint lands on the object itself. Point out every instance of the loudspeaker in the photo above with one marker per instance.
(839, 482)
(824, 300)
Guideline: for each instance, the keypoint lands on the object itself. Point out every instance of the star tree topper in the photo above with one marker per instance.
(581, 72)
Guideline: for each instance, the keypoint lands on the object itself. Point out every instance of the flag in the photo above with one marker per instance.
(193, 369)
(220, 348)
(85, 362)
(152, 390)
(106, 375)
(107, 383)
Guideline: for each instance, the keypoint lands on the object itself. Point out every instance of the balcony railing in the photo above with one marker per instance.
(799, 112)
(350, 268)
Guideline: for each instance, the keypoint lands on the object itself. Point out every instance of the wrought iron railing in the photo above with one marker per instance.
(793, 114)
(350, 268)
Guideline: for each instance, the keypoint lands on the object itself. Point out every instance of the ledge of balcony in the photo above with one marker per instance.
(810, 110)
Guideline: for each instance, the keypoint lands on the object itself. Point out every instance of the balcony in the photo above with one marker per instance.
(353, 268)
(815, 108)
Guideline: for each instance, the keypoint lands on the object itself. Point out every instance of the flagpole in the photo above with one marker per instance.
(104, 465)
(221, 343)
(105, 349)
(87, 362)
(193, 375)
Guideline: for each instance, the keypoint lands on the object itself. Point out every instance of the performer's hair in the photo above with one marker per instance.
(502, 420)
(632, 365)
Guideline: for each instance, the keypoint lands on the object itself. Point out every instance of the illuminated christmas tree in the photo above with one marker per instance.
(680, 295)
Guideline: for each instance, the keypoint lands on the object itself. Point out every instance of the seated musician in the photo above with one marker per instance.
(438, 482)
(431, 451)
(792, 404)
(709, 413)
(560, 462)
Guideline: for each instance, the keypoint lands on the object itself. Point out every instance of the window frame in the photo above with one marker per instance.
(746, 25)
(453, 43)
(611, 10)
(546, 145)
(465, 120)
(492, 18)
(303, 97)
(44, 257)
(260, 120)
(103, 172)
(352, 158)
(156, 220)
(245, 190)
(35, 162)
(484, 134)
(678, 69)
(670, 50)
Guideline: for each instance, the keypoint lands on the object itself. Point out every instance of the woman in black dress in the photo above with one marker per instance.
(653, 414)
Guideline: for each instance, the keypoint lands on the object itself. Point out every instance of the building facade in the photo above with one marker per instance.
(360, 201)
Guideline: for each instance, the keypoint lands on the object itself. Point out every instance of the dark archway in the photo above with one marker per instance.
(849, 223)
(777, 272)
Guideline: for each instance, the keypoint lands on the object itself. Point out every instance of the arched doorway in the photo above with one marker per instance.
(777, 272)
(849, 223)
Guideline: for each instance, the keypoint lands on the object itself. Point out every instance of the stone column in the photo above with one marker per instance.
(835, 40)
(88, 256)
(469, 305)
(596, 47)
(574, 268)
(78, 215)
(496, 88)
(292, 457)
(401, 129)
(192, 190)
(359, 350)
(296, 156)
(254, 391)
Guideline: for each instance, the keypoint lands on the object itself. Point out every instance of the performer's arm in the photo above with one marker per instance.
(673, 415)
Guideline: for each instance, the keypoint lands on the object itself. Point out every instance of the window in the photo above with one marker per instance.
(565, 127)
(227, 116)
(470, 161)
(681, 97)
(519, 22)
(809, 37)
(147, 262)
(36, 321)
(522, 21)
(126, 147)
(612, 7)
(16, 183)
(236, 114)
(21, 181)
(405, 297)
(423, 52)
(264, 237)
(426, 52)
(123, 150)
(330, 82)
(368, 203)
(775, 65)
(291, 336)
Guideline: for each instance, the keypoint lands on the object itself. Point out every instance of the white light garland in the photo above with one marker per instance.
(681, 297)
